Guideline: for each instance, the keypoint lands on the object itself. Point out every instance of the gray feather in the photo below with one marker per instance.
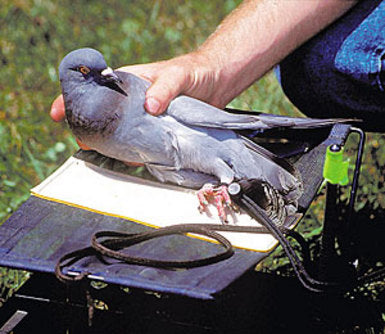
(202, 114)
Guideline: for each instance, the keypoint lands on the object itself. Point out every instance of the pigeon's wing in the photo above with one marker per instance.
(131, 83)
(183, 177)
(261, 151)
(197, 113)
(193, 112)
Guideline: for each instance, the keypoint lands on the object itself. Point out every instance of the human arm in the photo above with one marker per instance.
(247, 44)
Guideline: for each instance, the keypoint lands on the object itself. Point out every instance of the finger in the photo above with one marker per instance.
(164, 89)
(57, 112)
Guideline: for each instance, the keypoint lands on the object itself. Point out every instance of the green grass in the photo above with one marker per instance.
(35, 35)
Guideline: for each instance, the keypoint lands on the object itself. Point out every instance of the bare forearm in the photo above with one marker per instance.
(260, 33)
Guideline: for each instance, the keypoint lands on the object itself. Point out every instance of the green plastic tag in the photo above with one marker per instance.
(335, 167)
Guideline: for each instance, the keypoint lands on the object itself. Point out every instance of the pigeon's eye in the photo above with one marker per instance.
(84, 69)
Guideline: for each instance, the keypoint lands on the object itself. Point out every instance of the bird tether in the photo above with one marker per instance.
(114, 242)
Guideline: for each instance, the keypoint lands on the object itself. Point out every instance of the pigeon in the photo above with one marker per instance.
(192, 144)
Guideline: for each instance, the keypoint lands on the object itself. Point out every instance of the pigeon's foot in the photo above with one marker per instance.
(218, 194)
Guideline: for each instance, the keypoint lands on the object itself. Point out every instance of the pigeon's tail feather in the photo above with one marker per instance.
(193, 112)
(306, 123)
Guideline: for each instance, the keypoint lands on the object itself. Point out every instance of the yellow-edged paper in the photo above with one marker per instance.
(81, 184)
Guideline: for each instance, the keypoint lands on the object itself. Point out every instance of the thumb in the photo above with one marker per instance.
(57, 109)
(162, 91)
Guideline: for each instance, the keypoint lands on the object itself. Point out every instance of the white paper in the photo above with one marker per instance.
(85, 185)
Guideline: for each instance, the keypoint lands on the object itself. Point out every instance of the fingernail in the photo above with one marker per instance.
(152, 105)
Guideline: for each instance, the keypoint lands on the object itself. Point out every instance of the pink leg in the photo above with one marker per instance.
(220, 196)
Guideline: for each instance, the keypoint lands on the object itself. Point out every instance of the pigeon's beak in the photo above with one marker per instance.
(109, 75)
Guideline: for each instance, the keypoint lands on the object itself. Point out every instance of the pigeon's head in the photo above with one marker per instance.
(85, 66)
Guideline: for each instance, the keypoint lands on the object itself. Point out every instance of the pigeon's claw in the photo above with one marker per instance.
(218, 194)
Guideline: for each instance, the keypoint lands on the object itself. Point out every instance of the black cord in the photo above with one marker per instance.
(118, 240)
(307, 281)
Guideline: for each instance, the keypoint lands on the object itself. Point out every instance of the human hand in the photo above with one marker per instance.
(190, 74)
(57, 112)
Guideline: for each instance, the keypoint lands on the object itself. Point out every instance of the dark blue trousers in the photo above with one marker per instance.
(341, 71)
